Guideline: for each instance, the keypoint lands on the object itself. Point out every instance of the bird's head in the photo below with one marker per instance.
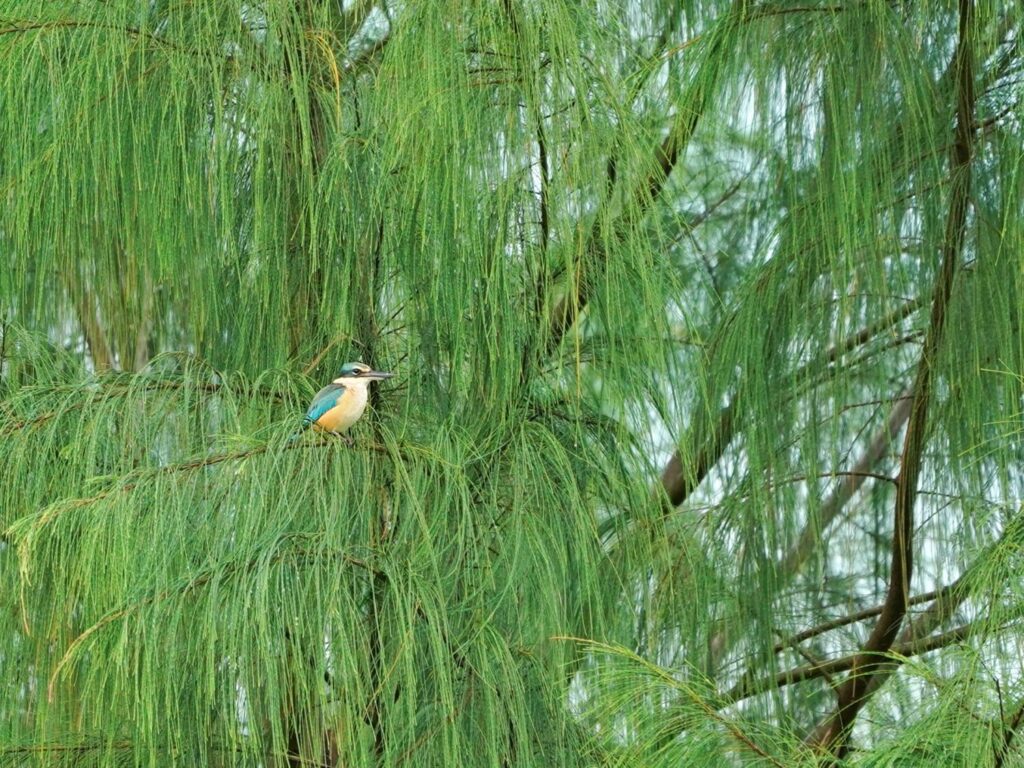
(353, 373)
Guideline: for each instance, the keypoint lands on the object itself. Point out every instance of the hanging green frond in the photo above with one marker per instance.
(703, 444)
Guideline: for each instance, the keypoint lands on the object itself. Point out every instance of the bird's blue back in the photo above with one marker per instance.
(323, 401)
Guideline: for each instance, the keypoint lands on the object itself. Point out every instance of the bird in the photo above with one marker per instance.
(339, 405)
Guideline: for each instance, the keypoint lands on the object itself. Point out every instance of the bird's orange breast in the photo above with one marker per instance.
(346, 411)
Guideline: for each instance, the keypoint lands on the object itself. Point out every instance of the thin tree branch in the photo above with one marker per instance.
(853, 662)
(808, 657)
(1009, 731)
(593, 256)
(134, 347)
(832, 734)
(850, 618)
(542, 160)
(946, 602)
(867, 333)
(640, 78)
(372, 716)
(20, 27)
(846, 488)
(855, 473)
(42, 418)
(811, 536)
(5, 332)
(68, 505)
(678, 482)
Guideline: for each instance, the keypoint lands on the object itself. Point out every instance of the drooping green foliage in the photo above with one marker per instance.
(704, 443)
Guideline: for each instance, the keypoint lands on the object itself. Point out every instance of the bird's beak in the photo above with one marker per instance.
(377, 375)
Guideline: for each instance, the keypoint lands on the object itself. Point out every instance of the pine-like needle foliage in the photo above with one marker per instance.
(704, 445)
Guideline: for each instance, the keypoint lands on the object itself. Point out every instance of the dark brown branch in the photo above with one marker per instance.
(679, 482)
(640, 78)
(811, 536)
(806, 656)
(594, 254)
(853, 663)
(869, 332)
(1009, 731)
(839, 473)
(946, 602)
(832, 734)
(542, 159)
(845, 621)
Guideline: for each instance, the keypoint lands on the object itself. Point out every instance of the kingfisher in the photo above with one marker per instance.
(339, 405)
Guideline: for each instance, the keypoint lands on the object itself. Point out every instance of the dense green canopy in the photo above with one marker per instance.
(704, 446)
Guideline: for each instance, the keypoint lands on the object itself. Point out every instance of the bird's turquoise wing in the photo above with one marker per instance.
(323, 401)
